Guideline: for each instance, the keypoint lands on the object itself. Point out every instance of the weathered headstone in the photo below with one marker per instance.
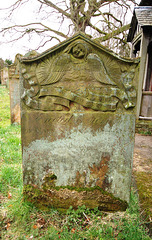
(4, 76)
(78, 122)
(14, 91)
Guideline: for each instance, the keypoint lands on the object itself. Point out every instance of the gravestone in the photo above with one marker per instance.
(14, 91)
(78, 102)
(4, 76)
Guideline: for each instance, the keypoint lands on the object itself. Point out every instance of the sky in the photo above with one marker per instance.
(23, 15)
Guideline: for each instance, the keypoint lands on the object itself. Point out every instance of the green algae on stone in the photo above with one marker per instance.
(62, 197)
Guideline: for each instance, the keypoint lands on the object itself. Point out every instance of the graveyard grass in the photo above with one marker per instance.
(22, 220)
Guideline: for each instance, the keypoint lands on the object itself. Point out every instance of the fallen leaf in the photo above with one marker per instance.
(40, 222)
(35, 226)
(31, 237)
(10, 205)
(73, 230)
(39, 225)
(7, 225)
(9, 195)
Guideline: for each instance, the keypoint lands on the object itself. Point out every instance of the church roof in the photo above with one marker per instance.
(142, 15)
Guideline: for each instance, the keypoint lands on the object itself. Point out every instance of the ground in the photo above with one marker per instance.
(143, 153)
(142, 173)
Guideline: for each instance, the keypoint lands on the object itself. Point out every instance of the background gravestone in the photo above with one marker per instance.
(4, 76)
(78, 120)
(14, 91)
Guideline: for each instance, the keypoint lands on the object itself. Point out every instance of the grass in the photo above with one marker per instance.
(21, 220)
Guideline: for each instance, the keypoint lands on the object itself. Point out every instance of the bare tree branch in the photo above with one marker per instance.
(104, 18)
(50, 4)
(27, 30)
(114, 33)
(97, 29)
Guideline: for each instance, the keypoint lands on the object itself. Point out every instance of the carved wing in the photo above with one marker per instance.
(98, 69)
(52, 72)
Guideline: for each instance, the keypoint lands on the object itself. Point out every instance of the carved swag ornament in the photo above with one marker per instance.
(77, 76)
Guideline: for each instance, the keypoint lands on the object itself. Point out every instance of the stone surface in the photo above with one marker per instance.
(78, 122)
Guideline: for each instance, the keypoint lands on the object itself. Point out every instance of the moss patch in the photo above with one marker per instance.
(63, 197)
(144, 127)
(144, 185)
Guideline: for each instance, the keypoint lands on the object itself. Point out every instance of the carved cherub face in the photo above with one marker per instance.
(79, 51)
